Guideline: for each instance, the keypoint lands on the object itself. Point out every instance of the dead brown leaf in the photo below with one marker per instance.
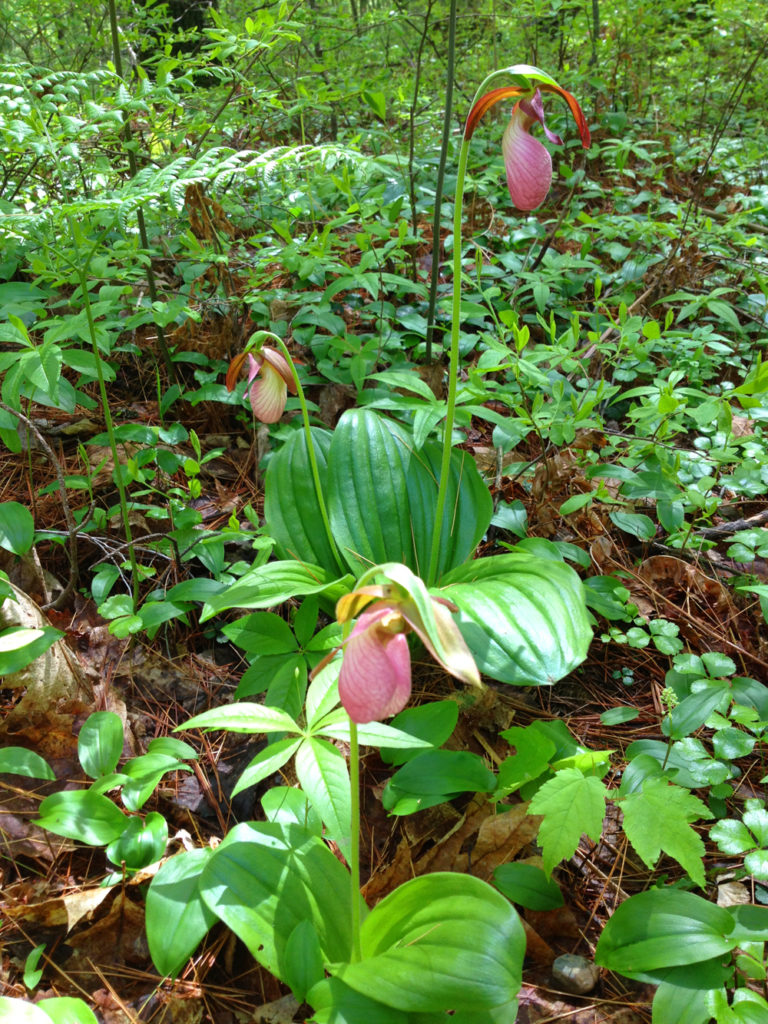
(386, 879)
(539, 951)
(65, 910)
(118, 937)
(500, 838)
(681, 582)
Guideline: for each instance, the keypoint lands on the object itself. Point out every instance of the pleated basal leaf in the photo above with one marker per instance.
(291, 508)
(440, 942)
(524, 618)
(382, 497)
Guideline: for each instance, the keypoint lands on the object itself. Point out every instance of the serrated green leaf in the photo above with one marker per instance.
(533, 752)
(572, 804)
(756, 863)
(732, 837)
(657, 819)
(730, 744)
(756, 820)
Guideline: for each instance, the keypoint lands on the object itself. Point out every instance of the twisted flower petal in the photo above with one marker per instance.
(375, 677)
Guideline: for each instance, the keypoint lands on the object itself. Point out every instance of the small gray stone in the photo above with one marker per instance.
(575, 974)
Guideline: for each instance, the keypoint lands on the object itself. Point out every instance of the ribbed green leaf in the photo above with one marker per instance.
(664, 928)
(368, 499)
(440, 942)
(291, 509)
(524, 618)
(382, 496)
(468, 507)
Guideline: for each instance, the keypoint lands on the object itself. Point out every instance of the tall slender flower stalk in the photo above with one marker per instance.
(528, 174)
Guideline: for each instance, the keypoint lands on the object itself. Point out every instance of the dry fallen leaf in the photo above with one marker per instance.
(118, 937)
(65, 910)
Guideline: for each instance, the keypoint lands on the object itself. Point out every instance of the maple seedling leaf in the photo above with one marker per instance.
(572, 804)
(658, 819)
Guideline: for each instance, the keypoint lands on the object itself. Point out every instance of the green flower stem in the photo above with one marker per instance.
(453, 368)
(258, 337)
(354, 839)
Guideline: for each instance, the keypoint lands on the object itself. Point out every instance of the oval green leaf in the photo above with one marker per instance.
(17, 527)
(266, 878)
(177, 918)
(440, 942)
(20, 761)
(82, 815)
(100, 743)
(524, 618)
(528, 886)
(664, 928)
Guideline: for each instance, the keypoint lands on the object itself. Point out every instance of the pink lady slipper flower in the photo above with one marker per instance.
(269, 381)
(528, 163)
(375, 677)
